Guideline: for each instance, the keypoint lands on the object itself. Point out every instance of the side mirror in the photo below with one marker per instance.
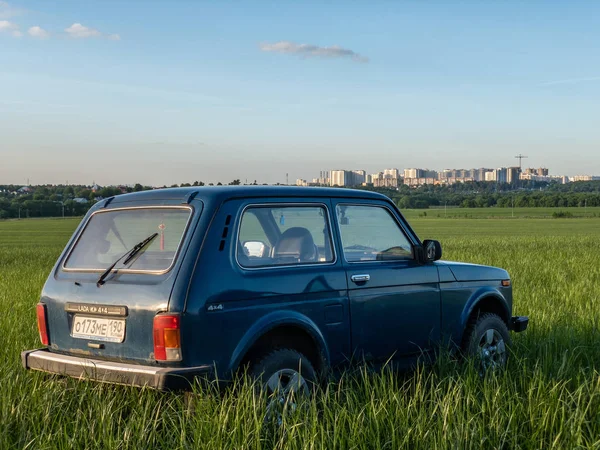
(432, 250)
(255, 248)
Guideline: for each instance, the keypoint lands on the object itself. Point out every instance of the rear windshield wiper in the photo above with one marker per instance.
(129, 256)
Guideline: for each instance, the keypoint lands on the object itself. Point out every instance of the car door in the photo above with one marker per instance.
(394, 299)
(282, 260)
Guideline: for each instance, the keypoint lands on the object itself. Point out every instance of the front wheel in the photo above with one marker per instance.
(487, 340)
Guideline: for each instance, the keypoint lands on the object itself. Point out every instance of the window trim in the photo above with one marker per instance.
(287, 205)
(124, 270)
(399, 223)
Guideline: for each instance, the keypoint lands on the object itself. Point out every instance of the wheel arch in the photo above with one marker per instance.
(485, 301)
(282, 329)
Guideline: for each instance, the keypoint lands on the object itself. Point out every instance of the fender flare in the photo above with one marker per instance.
(479, 296)
(273, 320)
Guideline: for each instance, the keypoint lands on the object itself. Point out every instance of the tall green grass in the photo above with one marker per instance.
(502, 213)
(549, 397)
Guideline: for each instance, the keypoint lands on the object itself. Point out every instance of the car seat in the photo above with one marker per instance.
(297, 245)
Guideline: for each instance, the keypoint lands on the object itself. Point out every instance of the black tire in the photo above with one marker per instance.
(487, 339)
(284, 359)
(286, 376)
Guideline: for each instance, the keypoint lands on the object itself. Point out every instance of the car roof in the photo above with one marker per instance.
(223, 193)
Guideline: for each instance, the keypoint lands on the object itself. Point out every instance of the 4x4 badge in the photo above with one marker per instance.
(215, 307)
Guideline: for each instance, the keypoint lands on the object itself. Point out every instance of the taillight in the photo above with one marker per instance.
(167, 345)
(42, 323)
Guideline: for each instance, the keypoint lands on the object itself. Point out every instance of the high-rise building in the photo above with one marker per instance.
(393, 173)
(445, 174)
(512, 174)
(585, 178)
(337, 177)
(347, 177)
(542, 171)
(376, 176)
(386, 182)
(479, 174)
(414, 173)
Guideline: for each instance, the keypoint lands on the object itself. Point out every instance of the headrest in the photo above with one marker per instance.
(297, 243)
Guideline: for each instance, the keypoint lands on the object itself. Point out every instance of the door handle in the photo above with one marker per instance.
(362, 278)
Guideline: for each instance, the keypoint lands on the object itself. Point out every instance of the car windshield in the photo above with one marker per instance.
(109, 234)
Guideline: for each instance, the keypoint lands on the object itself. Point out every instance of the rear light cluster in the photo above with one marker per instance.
(167, 343)
(42, 323)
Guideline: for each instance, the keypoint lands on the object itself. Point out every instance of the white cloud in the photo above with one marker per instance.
(38, 32)
(79, 31)
(9, 27)
(309, 50)
(570, 81)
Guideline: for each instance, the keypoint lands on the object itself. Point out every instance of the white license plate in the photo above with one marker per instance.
(98, 328)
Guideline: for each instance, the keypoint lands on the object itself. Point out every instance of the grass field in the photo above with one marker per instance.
(549, 397)
(499, 213)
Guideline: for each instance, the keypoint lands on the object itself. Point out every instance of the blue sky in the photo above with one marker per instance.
(163, 92)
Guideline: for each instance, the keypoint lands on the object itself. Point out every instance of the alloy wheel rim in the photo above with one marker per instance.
(492, 350)
(284, 388)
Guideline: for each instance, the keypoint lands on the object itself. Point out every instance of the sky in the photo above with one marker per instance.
(162, 92)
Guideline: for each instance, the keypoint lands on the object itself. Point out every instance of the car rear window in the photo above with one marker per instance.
(110, 234)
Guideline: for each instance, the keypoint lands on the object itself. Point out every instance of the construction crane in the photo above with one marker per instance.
(520, 157)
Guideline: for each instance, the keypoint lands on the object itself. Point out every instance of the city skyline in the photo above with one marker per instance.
(393, 177)
(218, 91)
(507, 174)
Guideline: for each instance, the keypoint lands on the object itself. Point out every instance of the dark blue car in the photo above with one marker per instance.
(158, 287)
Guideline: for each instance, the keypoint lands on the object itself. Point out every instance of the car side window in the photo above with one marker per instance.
(370, 233)
(284, 235)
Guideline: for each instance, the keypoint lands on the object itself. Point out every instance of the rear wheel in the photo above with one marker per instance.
(487, 340)
(287, 377)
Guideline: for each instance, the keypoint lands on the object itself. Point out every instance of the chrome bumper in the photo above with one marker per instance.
(156, 377)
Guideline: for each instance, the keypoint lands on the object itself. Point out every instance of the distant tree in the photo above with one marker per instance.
(219, 184)
(83, 193)
(138, 187)
(235, 182)
(68, 192)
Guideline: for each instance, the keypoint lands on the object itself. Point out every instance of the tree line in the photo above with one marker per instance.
(66, 200)
(62, 200)
(502, 195)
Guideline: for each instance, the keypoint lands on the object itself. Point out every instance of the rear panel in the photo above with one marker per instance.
(115, 320)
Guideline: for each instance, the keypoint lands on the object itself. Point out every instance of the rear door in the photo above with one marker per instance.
(394, 300)
(115, 319)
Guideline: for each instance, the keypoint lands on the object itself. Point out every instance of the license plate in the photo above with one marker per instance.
(98, 328)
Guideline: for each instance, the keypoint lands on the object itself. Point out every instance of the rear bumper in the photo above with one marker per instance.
(156, 377)
(519, 323)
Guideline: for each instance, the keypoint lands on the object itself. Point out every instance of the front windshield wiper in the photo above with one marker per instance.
(129, 256)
